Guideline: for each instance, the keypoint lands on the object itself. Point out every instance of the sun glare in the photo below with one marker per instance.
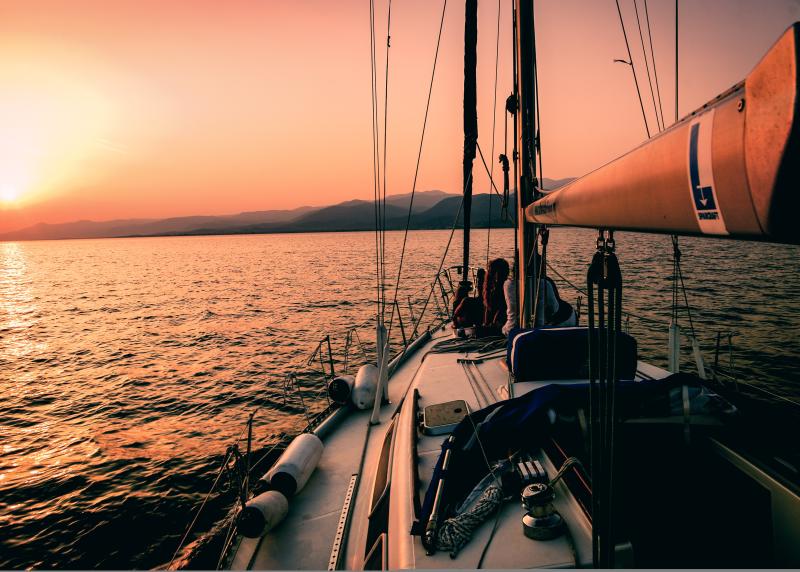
(8, 194)
(49, 127)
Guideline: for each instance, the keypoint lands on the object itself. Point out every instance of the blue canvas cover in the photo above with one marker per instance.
(523, 424)
(540, 354)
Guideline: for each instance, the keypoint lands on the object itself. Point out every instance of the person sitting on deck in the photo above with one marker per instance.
(468, 310)
(550, 311)
(510, 293)
(494, 300)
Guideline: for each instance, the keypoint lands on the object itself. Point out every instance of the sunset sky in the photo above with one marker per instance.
(152, 108)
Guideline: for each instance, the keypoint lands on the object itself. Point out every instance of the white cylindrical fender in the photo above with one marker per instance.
(292, 470)
(262, 513)
(340, 388)
(365, 386)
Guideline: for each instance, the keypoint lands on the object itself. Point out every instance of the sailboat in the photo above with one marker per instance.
(556, 446)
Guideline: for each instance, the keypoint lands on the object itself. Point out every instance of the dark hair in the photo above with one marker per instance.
(480, 278)
(494, 300)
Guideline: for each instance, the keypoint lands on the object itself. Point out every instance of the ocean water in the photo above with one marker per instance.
(129, 365)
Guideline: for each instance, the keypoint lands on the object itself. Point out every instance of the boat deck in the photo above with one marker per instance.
(395, 469)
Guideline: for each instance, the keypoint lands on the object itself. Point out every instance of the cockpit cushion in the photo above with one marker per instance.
(539, 354)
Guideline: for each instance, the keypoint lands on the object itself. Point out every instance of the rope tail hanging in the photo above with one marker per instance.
(604, 285)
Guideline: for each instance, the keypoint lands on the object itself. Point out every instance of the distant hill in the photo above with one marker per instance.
(77, 229)
(352, 215)
(149, 227)
(432, 209)
(441, 215)
(360, 215)
(422, 200)
(180, 225)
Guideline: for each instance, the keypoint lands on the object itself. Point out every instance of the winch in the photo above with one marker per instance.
(542, 521)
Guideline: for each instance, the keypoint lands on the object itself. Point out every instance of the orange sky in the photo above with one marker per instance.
(151, 108)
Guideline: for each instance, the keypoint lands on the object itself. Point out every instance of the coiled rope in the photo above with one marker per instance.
(456, 531)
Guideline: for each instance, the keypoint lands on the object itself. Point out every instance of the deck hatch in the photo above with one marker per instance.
(441, 418)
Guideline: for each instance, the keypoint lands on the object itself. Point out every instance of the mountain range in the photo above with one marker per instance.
(431, 210)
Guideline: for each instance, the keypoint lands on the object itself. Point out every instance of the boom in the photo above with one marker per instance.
(730, 168)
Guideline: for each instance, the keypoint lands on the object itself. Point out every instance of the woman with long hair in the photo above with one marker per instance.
(494, 300)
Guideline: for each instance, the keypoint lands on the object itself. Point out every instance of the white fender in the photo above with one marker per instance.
(340, 388)
(365, 386)
(294, 467)
(262, 513)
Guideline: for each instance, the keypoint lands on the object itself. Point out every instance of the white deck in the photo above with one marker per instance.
(305, 538)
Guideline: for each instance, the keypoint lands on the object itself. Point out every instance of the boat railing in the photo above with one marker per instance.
(303, 387)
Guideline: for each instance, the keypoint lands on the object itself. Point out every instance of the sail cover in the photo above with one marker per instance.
(524, 423)
(728, 169)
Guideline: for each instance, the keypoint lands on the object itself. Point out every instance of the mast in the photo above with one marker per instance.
(526, 184)
(470, 120)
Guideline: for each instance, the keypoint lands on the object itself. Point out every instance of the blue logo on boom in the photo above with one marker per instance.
(703, 196)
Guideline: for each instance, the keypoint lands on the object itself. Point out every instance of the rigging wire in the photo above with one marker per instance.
(416, 170)
(385, 134)
(494, 125)
(376, 164)
(676, 61)
(488, 171)
(677, 275)
(200, 509)
(653, 58)
(583, 292)
(538, 142)
(382, 200)
(646, 64)
(633, 68)
(441, 264)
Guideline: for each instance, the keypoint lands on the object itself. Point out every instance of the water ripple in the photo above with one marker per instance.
(131, 364)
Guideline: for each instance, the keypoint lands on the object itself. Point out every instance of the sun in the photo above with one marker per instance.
(8, 194)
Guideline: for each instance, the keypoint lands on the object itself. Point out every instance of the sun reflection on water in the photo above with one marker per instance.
(19, 311)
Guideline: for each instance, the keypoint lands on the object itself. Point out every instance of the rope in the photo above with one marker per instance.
(456, 531)
(200, 509)
(416, 170)
(633, 68)
(229, 536)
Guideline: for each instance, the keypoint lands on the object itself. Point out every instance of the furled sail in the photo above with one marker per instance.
(731, 168)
